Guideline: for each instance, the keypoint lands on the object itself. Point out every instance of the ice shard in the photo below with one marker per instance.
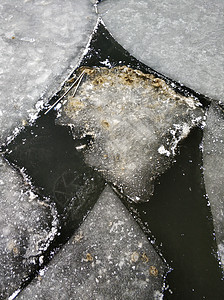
(26, 228)
(109, 257)
(180, 39)
(136, 120)
(213, 157)
(40, 43)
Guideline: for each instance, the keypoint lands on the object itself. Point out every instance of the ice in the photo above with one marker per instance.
(40, 43)
(108, 258)
(137, 121)
(213, 157)
(181, 39)
(26, 228)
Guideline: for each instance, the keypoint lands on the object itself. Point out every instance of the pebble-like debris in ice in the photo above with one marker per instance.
(180, 39)
(137, 121)
(213, 161)
(27, 226)
(40, 44)
(109, 257)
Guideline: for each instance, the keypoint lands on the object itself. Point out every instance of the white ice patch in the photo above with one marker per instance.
(180, 132)
(158, 295)
(162, 150)
(106, 63)
(13, 296)
(221, 253)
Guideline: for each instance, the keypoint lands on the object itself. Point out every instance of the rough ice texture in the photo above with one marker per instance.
(136, 120)
(181, 39)
(25, 229)
(108, 258)
(40, 43)
(213, 157)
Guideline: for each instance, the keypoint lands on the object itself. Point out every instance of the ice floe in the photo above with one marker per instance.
(40, 43)
(137, 121)
(27, 226)
(109, 257)
(180, 39)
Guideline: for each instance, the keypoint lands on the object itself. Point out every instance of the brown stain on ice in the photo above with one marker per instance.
(150, 86)
(153, 271)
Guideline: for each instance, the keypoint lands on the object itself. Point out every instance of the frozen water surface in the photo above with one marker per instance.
(40, 43)
(108, 258)
(213, 157)
(136, 120)
(180, 39)
(26, 228)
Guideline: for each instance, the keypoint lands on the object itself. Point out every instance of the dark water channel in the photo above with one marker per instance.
(177, 217)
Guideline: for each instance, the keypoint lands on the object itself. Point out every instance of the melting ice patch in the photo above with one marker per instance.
(130, 115)
(182, 39)
(40, 43)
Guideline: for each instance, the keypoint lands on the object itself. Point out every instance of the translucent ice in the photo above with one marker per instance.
(40, 43)
(136, 120)
(26, 228)
(181, 39)
(108, 258)
(213, 156)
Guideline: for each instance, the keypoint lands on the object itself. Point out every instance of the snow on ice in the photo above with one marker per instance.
(180, 39)
(108, 257)
(40, 43)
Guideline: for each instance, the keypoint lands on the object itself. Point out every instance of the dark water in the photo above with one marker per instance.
(177, 216)
(57, 170)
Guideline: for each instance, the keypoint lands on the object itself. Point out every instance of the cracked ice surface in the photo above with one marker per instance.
(40, 43)
(136, 120)
(25, 229)
(213, 157)
(108, 258)
(181, 39)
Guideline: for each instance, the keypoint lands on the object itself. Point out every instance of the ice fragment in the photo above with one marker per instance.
(130, 114)
(181, 39)
(101, 265)
(26, 228)
(213, 157)
(39, 41)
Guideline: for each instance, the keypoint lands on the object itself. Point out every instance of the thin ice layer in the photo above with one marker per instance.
(180, 39)
(108, 258)
(40, 43)
(26, 227)
(136, 120)
(213, 157)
